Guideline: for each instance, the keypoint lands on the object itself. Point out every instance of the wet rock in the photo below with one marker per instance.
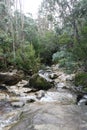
(4, 95)
(51, 116)
(41, 72)
(40, 94)
(22, 83)
(20, 91)
(39, 83)
(30, 100)
(61, 85)
(59, 97)
(82, 102)
(11, 68)
(53, 76)
(5, 107)
(79, 97)
(70, 77)
(62, 77)
(57, 80)
(2, 87)
(46, 127)
(55, 67)
(14, 71)
(18, 104)
(9, 79)
(8, 119)
(85, 96)
(46, 76)
(26, 85)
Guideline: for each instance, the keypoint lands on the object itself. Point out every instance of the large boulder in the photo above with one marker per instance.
(39, 83)
(9, 79)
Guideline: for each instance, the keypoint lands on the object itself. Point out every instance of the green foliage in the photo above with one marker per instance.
(64, 39)
(81, 80)
(80, 50)
(69, 29)
(5, 38)
(26, 59)
(5, 47)
(65, 59)
(81, 8)
(30, 31)
(47, 46)
(58, 55)
(2, 65)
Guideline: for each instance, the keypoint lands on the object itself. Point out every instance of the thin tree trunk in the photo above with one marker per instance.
(22, 22)
(76, 32)
(16, 3)
(74, 24)
(12, 32)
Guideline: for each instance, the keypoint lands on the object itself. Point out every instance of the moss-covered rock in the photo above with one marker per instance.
(81, 80)
(39, 83)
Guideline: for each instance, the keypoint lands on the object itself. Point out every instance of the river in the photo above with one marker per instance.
(53, 109)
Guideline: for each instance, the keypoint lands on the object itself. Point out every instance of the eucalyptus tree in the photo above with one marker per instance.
(80, 51)
(63, 12)
(69, 19)
(5, 28)
(46, 16)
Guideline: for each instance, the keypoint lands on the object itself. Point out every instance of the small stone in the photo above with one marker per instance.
(40, 94)
(82, 102)
(70, 77)
(17, 104)
(60, 85)
(30, 100)
(85, 96)
(53, 76)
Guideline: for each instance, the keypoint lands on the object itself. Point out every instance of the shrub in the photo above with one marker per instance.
(65, 59)
(26, 59)
(58, 55)
(48, 45)
(81, 79)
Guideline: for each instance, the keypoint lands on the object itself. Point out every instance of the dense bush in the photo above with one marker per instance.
(80, 54)
(47, 46)
(58, 55)
(47, 52)
(27, 60)
(81, 80)
(65, 59)
(64, 39)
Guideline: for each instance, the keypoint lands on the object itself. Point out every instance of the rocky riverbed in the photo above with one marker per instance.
(25, 106)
